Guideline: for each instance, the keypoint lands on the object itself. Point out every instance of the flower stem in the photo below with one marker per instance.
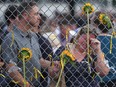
(63, 62)
(111, 44)
(59, 77)
(88, 50)
(111, 37)
(24, 73)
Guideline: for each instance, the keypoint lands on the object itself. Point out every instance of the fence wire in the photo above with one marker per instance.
(57, 43)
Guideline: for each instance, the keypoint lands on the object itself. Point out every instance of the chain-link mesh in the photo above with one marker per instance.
(57, 43)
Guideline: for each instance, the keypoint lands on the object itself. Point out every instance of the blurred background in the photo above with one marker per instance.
(48, 7)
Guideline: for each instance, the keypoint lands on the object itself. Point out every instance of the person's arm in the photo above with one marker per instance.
(53, 67)
(45, 63)
(9, 56)
(100, 65)
(15, 75)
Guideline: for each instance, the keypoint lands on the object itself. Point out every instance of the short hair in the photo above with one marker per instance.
(83, 30)
(10, 13)
(92, 30)
(25, 7)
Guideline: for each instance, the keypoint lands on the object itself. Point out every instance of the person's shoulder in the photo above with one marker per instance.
(34, 35)
(114, 40)
(104, 36)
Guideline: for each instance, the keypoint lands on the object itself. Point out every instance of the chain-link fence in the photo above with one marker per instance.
(57, 43)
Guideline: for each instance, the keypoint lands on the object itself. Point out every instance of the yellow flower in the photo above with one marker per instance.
(101, 18)
(25, 53)
(104, 19)
(88, 8)
(64, 57)
(67, 53)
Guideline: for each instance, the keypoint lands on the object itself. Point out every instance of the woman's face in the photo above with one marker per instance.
(82, 41)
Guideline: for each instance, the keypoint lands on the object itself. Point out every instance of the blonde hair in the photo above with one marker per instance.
(82, 31)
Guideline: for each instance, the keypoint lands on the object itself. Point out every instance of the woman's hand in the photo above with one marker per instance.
(96, 45)
(99, 64)
(54, 69)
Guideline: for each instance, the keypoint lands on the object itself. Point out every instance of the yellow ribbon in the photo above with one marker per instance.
(2, 75)
(67, 35)
(12, 38)
(52, 63)
(36, 71)
(16, 82)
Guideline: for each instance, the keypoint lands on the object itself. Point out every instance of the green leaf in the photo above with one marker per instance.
(24, 53)
(107, 19)
(65, 62)
(73, 63)
(109, 25)
(88, 9)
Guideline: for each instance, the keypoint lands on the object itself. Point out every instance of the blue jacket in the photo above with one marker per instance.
(105, 45)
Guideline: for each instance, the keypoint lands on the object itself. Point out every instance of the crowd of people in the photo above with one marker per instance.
(23, 31)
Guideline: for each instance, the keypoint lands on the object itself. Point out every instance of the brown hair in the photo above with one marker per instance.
(25, 7)
(10, 13)
(83, 30)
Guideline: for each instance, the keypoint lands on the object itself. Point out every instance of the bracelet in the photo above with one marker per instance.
(13, 69)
